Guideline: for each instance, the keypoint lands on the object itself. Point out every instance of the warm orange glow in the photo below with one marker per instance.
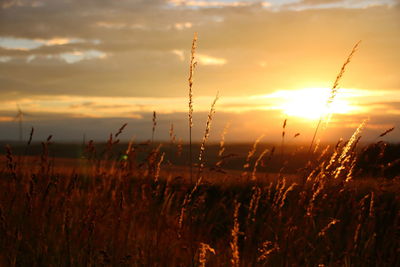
(311, 103)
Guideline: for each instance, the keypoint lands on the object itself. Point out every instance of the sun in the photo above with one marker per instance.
(311, 103)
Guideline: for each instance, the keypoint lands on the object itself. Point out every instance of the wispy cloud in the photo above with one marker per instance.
(209, 60)
(25, 44)
(136, 53)
(77, 56)
(201, 59)
(20, 3)
(323, 4)
(120, 25)
(179, 53)
(199, 3)
(70, 57)
(183, 25)
(5, 59)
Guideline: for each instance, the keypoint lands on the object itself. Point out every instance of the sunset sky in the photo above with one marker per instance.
(86, 67)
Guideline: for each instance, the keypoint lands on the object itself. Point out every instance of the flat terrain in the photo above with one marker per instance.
(142, 210)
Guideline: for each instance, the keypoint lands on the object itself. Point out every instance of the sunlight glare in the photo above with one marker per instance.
(311, 103)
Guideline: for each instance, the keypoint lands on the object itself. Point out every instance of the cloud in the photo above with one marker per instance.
(183, 25)
(209, 60)
(24, 44)
(5, 59)
(70, 57)
(199, 3)
(140, 51)
(77, 56)
(19, 43)
(120, 25)
(19, 3)
(315, 2)
(319, 4)
(179, 53)
(111, 25)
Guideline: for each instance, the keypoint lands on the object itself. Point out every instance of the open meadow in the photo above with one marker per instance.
(271, 138)
(155, 204)
(132, 207)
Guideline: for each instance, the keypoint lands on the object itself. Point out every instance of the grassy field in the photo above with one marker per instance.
(152, 204)
(105, 209)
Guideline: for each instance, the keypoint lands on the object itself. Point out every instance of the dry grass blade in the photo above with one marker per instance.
(31, 136)
(352, 140)
(120, 130)
(251, 153)
(205, 137)
(203, 253)
(154, 126)
(158, 168)
(386, 132)
(192, 66)
(235, 259)
(335, 86)
(334, 91)
(344, 159)
(172, 135)
(267, 248)
(189, 196)
(222, 142)
(218, 164)
(283, 140)
(326, 228)
(253, 174)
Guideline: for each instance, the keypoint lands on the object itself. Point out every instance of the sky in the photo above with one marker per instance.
(79, 68)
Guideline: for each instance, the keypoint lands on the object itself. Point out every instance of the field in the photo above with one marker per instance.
(116, 207)
(194, 204)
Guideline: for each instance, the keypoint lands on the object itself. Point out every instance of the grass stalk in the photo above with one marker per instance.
(192, 66)
(154, 126)
(334, 91)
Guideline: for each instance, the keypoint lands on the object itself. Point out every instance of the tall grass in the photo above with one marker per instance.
(140, 211)
(128, 215)
(333, 93)
(192, 66)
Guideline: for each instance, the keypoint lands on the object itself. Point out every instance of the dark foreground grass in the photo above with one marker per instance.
(118, 214)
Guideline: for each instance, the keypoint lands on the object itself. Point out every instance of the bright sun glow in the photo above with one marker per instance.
(311, 103)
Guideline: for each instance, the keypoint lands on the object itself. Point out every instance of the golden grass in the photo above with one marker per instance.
(116, 208)
(334, 91)
(192, 67)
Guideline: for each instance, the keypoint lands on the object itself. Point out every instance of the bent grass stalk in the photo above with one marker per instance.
(267, 248)
(203, 253)
(345, 155)
(205, 137)
(334, 91)
(246, 166)
(253, 174)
